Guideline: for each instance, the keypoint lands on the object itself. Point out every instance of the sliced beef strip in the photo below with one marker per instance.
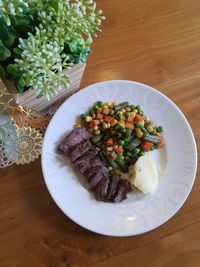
(96, 178)
(75, 137)
(87, 156)
(122, 190)
(114, 180)
(88, 164)
(94, 167)
(102, 188)
(79, 150)
(91, 171)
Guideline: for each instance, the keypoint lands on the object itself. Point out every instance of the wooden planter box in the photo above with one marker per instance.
(29, 99)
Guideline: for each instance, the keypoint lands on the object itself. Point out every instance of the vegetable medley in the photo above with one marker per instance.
(122, 132)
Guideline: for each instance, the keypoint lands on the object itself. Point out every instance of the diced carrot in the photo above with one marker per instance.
(109, 142)
(129, 125)
(105, 110)
(94, 123)
(119, 149)
(138, 118)
(157, 134)
(130, 119)
(161, 143)
(146, 146)
(108, 119)
(99, 116)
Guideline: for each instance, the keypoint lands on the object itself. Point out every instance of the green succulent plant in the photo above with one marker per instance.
(38, 39)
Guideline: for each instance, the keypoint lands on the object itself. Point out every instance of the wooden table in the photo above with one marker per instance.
(156, 42)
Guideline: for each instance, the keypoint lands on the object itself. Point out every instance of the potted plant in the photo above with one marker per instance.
(44, 45)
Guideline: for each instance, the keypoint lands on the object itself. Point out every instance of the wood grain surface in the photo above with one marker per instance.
(156, 42)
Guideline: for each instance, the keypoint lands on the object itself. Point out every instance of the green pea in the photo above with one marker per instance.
(117, 127)
(129, 154)
(113, 133)
(141, 154)
(119, 117)
(111, 112)
(160, 129)
(122, 130)
(119, 156)
(126, 158)
(99, 104)
(136, 151)
(83, 116)
(121, 142)
(152, 148)
(139, 108)
(127, 114)
(137, 124)
(132, 107)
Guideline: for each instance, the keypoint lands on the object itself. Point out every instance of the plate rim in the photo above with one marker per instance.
(195, 158)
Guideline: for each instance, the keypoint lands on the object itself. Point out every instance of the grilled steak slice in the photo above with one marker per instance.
(94, 165)
(122, 189)
(87, 156)
(96, 178)
(102, 188)
(88, 164)
(79, 150)
(114, 180)
(75, 137)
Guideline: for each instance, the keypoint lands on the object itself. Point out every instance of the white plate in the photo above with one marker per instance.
(177, 163)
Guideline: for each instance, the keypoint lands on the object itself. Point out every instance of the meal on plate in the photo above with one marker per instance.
(108, 147)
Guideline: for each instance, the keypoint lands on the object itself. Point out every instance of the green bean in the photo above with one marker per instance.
(96, 138)
(83, 116)
(128, 133)
(153, 132)
(139, 108)
(144, 130)
(132, 107)
(121, 106)
(110, 161)
(122, 164)
(134, 159)
(151, 138)
(133, 144)
(102, 157)
(159, 129)
(98, 144)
